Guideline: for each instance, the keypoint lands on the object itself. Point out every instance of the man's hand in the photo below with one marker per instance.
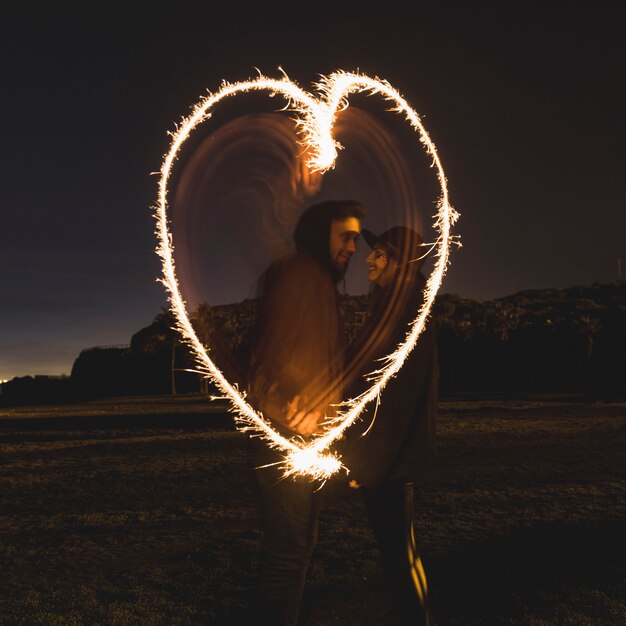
(353, 484)
(304, 422)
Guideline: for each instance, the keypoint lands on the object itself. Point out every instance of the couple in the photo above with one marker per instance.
(301, 367)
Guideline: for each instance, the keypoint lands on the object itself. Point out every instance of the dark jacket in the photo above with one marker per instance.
(299, 345)
(400, 444)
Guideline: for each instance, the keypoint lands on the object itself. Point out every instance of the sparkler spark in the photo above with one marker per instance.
(309, 461)
(315, 117)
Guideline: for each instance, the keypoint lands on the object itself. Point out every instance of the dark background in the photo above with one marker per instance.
(525, 105)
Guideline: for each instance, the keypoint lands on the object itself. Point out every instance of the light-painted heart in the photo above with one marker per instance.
(315, 117)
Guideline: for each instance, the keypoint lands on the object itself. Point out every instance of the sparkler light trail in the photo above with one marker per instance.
(315, 117)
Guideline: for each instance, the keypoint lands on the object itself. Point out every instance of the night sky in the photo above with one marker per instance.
(525, 105)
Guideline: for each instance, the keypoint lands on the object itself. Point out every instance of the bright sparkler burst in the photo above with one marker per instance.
(315, 116)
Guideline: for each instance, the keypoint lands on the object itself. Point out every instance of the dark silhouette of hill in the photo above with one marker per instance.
(551, 340)
(569, 340)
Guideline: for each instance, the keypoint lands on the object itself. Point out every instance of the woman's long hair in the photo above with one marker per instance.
(390, 310)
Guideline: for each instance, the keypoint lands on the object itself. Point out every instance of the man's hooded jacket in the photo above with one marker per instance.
(299, 345)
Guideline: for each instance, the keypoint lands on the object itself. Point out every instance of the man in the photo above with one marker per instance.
(296, 369)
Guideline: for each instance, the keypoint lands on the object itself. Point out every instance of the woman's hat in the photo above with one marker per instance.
(403, 242)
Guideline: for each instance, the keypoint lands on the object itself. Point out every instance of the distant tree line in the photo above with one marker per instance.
(37, 389)
(552, 340)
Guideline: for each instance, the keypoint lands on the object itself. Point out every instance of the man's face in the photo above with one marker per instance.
(343, 236)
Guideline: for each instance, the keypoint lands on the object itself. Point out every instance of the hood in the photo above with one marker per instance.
(312, 235)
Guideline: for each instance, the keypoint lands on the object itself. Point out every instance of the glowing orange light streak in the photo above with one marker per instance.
(315, 117)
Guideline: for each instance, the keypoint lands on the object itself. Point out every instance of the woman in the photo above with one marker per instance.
(393, 444)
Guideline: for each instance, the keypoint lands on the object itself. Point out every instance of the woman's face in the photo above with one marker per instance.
(380, 267)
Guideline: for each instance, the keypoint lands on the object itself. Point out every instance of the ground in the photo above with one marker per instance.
(144, 511)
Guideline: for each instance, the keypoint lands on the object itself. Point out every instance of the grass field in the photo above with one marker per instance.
(144, 511)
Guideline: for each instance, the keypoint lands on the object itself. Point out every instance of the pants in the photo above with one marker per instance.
(290, 511)
(390, 512)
